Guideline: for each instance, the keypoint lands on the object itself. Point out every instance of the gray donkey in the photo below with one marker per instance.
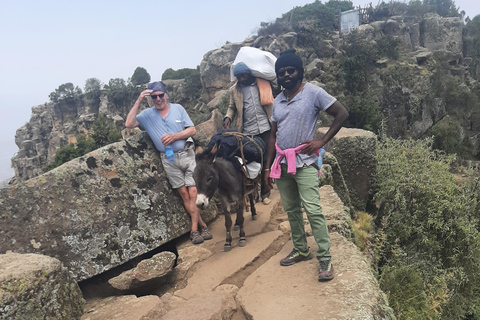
(215, 173)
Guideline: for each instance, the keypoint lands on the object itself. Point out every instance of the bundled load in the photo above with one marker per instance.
(262, 66)
(232, 143)
(261, 63)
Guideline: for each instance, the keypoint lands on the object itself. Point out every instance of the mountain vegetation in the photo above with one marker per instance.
(102, 133)
(426, 250)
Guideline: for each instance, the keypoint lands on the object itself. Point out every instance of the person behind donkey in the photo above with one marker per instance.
(169, 125)
(252, 116)
(292, 156)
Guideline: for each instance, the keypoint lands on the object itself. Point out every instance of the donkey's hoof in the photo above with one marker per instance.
(236, 227)
(242, 242)
(227, 247)
(254, 217)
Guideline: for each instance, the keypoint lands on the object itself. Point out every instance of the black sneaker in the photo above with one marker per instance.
(326, 270)
(206, 235)
(196, 237)
(295, 256)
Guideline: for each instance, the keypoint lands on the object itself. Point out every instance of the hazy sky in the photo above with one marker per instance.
(44, 44)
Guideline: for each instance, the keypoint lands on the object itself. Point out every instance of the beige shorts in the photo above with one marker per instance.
(180, 171)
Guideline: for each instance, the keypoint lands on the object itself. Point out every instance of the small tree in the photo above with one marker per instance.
(93, 88)
(104, 131)
(66, 92)
(445, 8)
(140, 76)
(116, 90)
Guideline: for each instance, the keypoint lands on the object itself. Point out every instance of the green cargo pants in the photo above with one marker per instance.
(301, 189)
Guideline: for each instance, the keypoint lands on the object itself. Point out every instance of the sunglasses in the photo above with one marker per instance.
(290, 71)
(154, 96)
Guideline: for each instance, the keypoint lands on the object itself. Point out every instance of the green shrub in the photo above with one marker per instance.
(104, 131)
(430, 223)
(447, 137)
(406, 294)
(388, 47)
(358, 62)
(364, 112)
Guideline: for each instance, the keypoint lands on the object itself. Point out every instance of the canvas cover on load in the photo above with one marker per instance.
(228, 146)
(261, 63)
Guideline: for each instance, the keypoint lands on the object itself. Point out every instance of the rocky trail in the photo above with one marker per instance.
(249, 283)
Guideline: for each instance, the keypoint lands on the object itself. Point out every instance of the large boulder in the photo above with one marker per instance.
(34, 286)
(215, 68)
(442, 33)
(355, 151)
(146, 272)
(97, 211)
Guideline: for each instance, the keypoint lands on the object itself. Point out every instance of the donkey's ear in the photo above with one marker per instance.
(213, 153)
(215, 148)
(198, 150)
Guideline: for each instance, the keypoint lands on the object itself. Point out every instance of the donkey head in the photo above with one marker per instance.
(206, 176)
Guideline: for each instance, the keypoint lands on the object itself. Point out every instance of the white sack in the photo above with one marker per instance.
(261, 63)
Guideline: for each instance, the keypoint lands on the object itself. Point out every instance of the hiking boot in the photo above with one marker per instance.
(296, 256)
(206, 235)
(196, 237)
(326, 270)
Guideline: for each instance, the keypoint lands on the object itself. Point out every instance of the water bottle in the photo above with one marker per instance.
(169, 153)
(321, 152)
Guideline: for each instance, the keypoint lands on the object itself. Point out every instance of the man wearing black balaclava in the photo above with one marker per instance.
(294, 117)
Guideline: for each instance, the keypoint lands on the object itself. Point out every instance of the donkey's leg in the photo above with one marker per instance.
(236, 227)
(240, 219)
(228, 226)
(252, 206)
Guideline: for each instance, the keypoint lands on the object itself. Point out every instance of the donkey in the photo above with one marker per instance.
(215, 173)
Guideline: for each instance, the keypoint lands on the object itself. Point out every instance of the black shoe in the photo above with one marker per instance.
(296, 256)
(326, 270)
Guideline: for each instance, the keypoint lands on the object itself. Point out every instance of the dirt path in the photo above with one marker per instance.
(249, 283)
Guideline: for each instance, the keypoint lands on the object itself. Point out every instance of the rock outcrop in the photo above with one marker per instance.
(34, 286)
(355, 151)
(97, 211)
(148, 270)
